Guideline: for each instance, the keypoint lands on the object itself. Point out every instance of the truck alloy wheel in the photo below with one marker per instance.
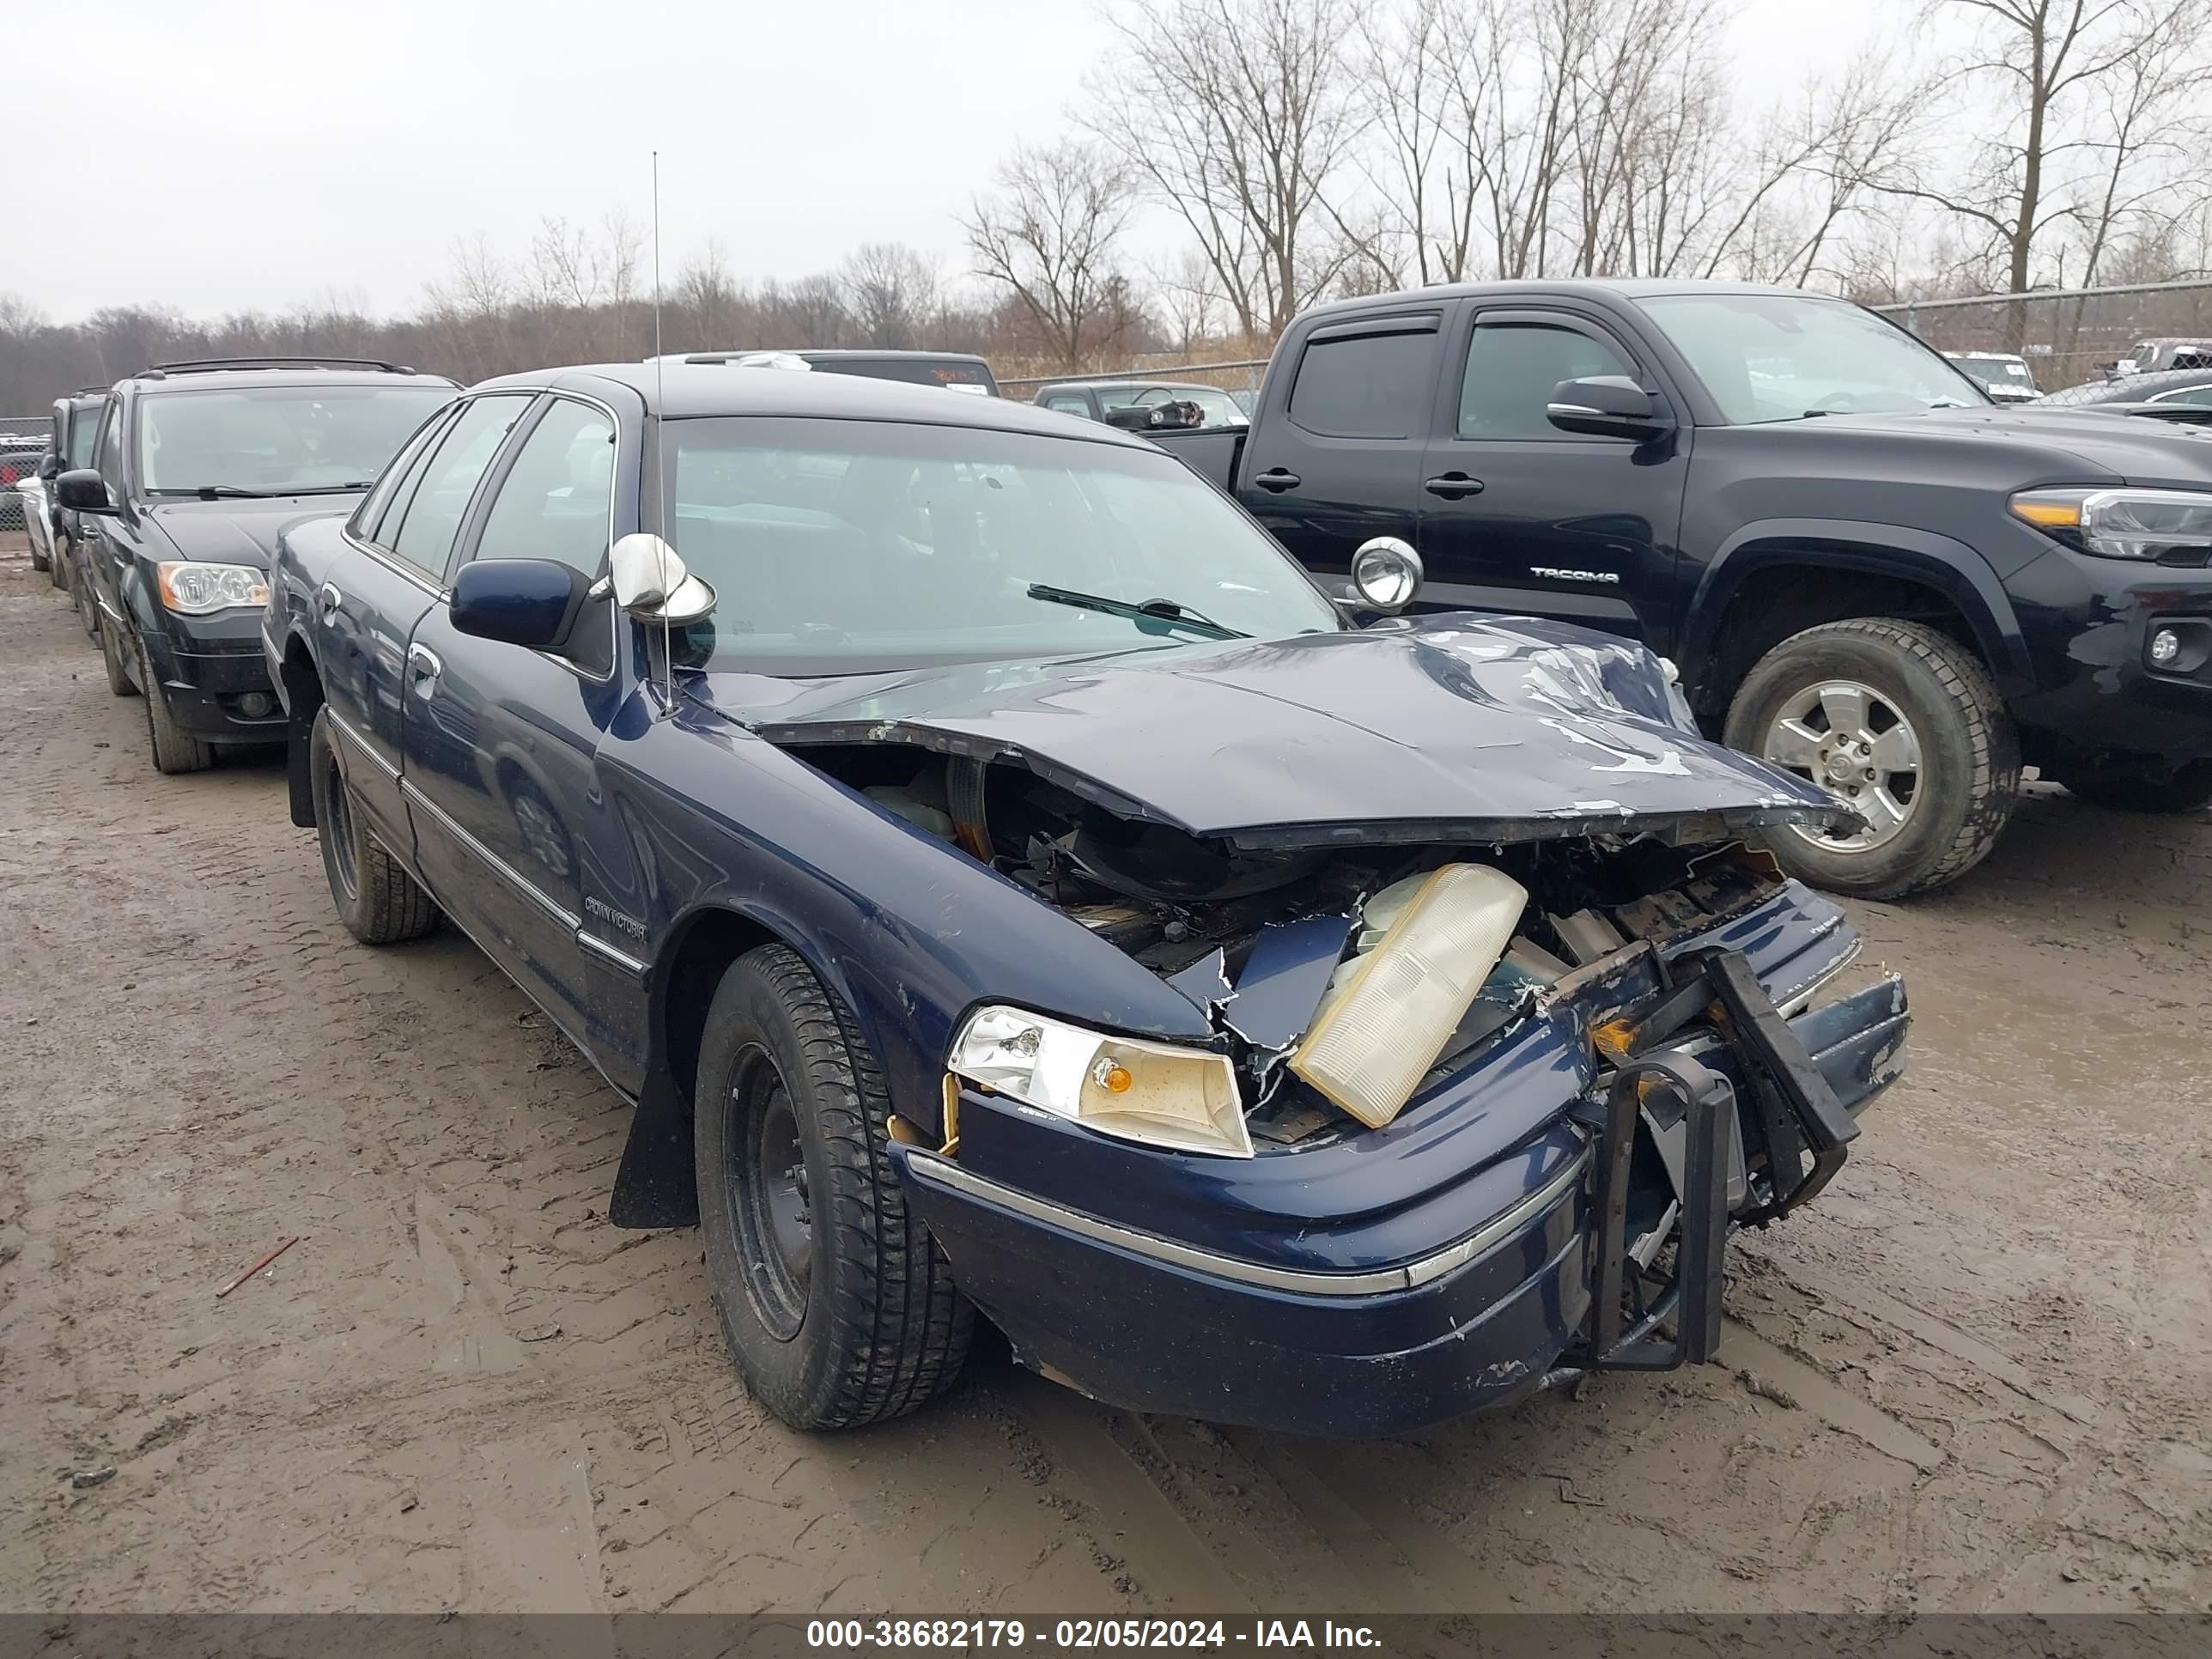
(1898, 721)
(1855, 744)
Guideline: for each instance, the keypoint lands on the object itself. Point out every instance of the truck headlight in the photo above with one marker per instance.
(193, 589)
(2123, 524)
(1149, 1091)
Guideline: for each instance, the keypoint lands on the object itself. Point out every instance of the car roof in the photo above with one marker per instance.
(1123, 385)
(1611, 288)
(692, 390)
(827, 354)
(2130, 388)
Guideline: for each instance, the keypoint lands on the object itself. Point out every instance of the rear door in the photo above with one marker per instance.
(1521, 518)
(511, 829)
(394, 570)
(1338, 462)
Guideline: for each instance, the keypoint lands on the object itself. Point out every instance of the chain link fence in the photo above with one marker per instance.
(2068, 336)
(22, 440)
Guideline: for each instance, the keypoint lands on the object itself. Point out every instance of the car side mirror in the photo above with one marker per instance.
(647, 579)
(50, 466)
(1605, 406)
(526, 602)
(1386, 575)
(83, 490)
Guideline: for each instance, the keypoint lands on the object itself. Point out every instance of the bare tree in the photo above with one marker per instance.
(2080, 94)
(1047, 235)
(1237, 115)
(892, 294)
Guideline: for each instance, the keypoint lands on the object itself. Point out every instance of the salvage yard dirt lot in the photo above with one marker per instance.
(1975, 1375)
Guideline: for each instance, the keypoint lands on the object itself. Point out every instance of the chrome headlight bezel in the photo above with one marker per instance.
(196, 587)
(1157, 1094)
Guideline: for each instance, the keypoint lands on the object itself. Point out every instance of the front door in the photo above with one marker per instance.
(1521, 518)
(503, 742)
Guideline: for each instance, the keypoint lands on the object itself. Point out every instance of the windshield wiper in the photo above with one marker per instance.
(1165, 609)
(215, 492)
(335, 489)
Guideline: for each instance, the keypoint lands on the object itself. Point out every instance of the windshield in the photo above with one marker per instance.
(277, 440)
(1218, 408)
(1781, 357)
(844, 547)
(1995, 370)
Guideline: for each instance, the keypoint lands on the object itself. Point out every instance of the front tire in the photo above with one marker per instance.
(838, 1306)
(378, 901)
(1902, 724)
(175, 749)
(2185, 790)
(88, 608)
(111, 647)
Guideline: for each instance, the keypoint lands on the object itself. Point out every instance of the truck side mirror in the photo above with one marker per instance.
(1605, 406)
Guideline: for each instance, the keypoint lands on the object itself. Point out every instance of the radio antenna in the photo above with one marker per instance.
(665, 473)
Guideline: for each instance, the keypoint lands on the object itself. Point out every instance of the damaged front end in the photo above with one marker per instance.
(1538, 1079)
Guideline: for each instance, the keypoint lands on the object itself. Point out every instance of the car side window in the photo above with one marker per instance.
(554, 503)
(1511, 369)
(2199, 397)
(397, 477)
(1367, 385)
(442, 488)
(1069, 406)
(84, 428)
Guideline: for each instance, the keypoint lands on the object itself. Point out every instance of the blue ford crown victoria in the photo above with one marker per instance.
(1004, 881)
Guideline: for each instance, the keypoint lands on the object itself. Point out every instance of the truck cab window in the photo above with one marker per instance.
(1364, 385)
(1511, 369)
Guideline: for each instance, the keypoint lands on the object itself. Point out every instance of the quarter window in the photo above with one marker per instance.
(440, 493)
(1363, 385)
(553, 501)
(398, 478)
(1511, 369)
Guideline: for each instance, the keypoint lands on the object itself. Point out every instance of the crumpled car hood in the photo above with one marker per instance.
(1447, 727)
(239, 531)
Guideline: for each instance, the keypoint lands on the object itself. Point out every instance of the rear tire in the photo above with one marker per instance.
(175, 749)
(111, 654)
(88, 608)
(1964, 754)
(2186, 790)
(378, 901)
(838, 1306)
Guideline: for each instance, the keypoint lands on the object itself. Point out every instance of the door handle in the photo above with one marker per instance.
(1452, 485)
(331, 599)
(424, 664)
(1276, 479)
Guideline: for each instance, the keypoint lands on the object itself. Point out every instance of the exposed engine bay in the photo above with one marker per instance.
(1338, 977)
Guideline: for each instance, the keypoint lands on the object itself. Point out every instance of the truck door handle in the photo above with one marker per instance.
(1276, 479)
(424, 664)
(331, 599)
(1453, 485)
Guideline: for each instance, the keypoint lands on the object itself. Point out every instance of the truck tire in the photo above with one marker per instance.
(88, 608)
(111, 647)
(838, 1306)
(1899, 720)
(378, 901)
(175, 749)
(2186, 790)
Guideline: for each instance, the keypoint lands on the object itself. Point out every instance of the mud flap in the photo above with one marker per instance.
(656, 1185)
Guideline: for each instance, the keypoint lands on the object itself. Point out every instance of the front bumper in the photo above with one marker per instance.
(212, 671)
(1150, 1321)
(2089, 621)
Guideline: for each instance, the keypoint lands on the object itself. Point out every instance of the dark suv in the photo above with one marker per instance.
(197, 467)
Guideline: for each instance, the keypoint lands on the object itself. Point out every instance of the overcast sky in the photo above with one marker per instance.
(227, 154)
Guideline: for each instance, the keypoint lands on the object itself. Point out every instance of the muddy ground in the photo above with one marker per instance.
(1978, 1374)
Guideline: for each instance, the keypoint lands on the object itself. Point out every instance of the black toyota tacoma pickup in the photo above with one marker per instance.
(1866, 571)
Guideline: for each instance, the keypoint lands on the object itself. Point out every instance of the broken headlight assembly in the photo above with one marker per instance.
(2174, 526)
(1153, 1092)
